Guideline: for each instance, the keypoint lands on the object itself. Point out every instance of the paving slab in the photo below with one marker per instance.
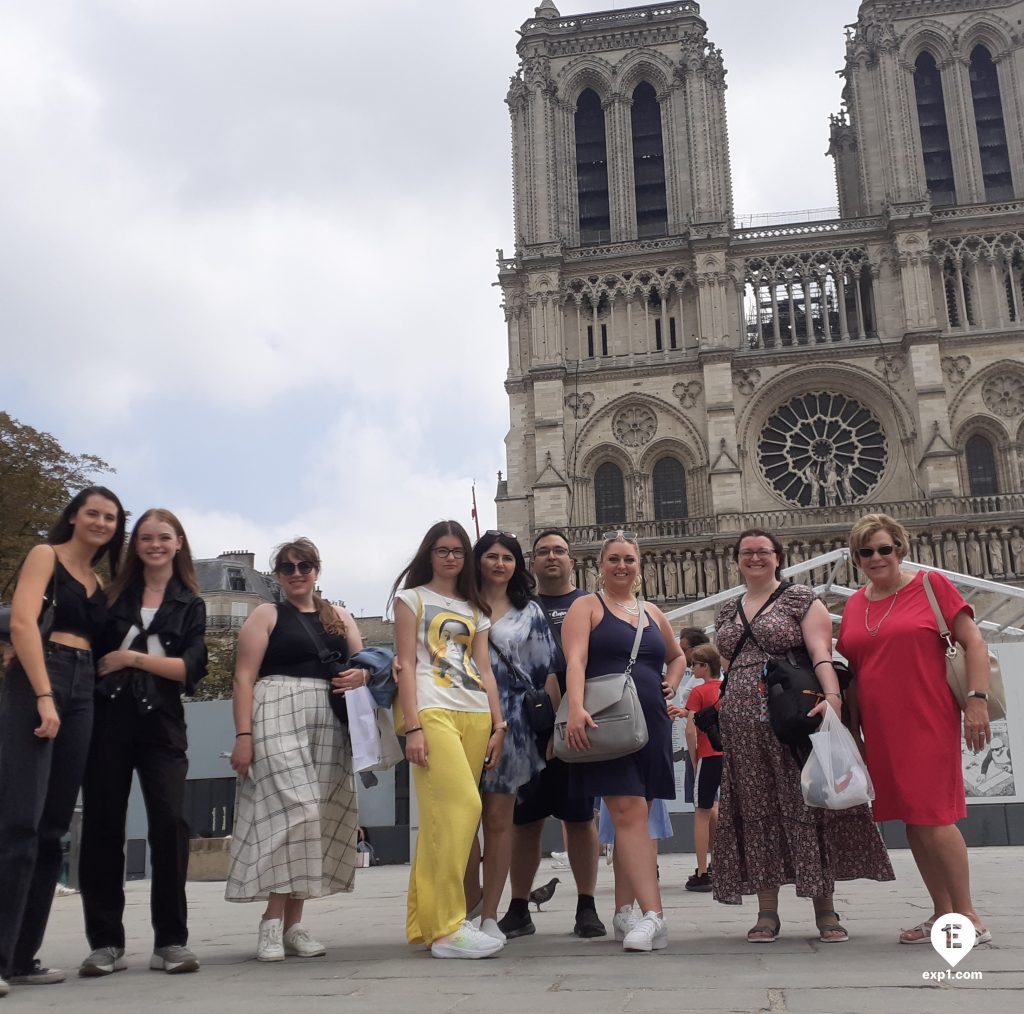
(708, 966)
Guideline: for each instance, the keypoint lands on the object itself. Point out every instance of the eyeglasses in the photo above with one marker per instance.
(551, 551)
(508, 535)
(619, 535)
(287, 568)
(760, 554)
(444, 552)
(866, 552)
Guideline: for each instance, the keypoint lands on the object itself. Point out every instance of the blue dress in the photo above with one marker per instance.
(524, 638)
(648, 772)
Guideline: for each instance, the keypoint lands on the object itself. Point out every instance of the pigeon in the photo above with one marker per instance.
(543, 894)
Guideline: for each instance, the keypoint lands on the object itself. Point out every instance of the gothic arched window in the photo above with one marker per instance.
(669, 490)
(648, 163)
(931, 116)
(981, 466)
(609, 495)
(988, 117)
(592, 170)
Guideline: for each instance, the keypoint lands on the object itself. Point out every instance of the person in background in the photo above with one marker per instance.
(910, 721)
(598, 636)
(46, 713)
(151, 651)
(689, 638)
(297, 814)
(548, 794)
(450, 714)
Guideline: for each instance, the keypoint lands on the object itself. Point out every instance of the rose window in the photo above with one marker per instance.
(634, 425)
(1004, 395)
(822, 449)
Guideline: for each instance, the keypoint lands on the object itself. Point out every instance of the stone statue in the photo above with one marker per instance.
(995, 554)
(846, 484)
(1017, 552)
(732, 571)
(590, 575)
(671, 572)
(950, 553)
(690, 575)
(710, 573)
(924, 551)
(639, 495)
(974, 565)
(831, 483)
(810, 476)
(651, 589)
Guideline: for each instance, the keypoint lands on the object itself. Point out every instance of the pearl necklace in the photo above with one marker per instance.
(867, 612)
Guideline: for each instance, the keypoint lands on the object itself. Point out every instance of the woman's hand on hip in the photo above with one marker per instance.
(350, 679)
(977, 731)
(576, 728)
(241, 756)
(416, 749)
(49, 720)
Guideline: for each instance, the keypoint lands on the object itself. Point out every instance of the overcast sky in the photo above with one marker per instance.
(249, 247)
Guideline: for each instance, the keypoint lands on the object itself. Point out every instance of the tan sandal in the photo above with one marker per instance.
(772, 918)
(831, 927)
(919, 934)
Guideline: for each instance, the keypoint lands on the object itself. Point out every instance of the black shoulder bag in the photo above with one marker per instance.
(49, 611)
(707, 718)
(329, 657)
(537, 707)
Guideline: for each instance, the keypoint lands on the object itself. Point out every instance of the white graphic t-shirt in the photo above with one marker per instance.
(446, 676)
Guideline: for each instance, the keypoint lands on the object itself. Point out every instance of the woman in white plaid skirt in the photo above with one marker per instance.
(296, 817)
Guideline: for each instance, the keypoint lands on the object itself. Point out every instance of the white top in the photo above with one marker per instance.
(446, 676)
(153, 645)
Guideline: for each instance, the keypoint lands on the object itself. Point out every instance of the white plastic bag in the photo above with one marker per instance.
(834, 777)
(375, 746)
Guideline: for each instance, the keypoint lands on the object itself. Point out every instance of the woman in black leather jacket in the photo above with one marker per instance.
(151, 652)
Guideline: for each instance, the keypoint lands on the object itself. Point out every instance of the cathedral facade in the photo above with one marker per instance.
(678, 375)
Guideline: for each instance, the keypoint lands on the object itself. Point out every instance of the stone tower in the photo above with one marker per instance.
(672, 373)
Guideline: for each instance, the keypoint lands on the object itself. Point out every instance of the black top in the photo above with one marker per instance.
(76, 612)
(292, 652)
(556, 606)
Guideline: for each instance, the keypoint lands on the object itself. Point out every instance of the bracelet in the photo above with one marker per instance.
(501, 726)
(824, 661)
(833, 693)
(418, 728)
(49, 693)
(237, 734)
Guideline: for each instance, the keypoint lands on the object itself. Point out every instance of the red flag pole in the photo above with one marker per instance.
(476, 519)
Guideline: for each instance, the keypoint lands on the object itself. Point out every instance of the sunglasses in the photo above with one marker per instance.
(287, 568)
(866, 552)
(619, 535)
(508, 535)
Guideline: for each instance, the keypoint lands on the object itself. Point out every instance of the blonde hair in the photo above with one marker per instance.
(871, 524)
(620, 536)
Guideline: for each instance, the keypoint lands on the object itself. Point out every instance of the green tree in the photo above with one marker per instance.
(220, 673)
(37, 479)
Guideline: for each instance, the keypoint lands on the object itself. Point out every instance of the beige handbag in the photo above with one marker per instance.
(956, 665)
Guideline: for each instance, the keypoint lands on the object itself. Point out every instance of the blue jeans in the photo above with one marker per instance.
(39, 783)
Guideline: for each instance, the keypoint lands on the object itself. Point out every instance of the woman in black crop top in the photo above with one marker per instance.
(46, 715)
(291, 750)
(151, 651)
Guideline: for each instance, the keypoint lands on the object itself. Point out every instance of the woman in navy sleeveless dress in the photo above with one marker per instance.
(597, 635)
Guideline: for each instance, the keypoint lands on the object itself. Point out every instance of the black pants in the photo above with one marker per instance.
(39, 781)
(153, 745)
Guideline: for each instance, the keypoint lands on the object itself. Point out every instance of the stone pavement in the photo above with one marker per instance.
(707, 967)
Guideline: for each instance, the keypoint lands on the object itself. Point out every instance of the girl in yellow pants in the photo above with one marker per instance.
(451, 716)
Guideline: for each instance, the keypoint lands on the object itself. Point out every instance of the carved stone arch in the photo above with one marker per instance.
(988, 30)
(933, 36)
(892, 412)
(668, 447)
(602, 452)
(643, 65)
(687, 432)
(977, 384)
(586, 72)
(988, 425)
(998, 436)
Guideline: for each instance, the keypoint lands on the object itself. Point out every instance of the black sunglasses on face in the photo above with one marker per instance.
(287, 568)
(508, 535)
(866, 552)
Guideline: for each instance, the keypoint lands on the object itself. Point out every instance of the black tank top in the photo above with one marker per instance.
(291, 651)
(77, 612)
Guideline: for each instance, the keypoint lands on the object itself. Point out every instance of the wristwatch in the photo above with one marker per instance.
(980, 694)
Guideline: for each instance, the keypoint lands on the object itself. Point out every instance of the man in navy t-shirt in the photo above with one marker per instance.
(548, 794)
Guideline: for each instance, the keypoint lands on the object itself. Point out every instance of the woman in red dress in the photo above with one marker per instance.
(909, 719)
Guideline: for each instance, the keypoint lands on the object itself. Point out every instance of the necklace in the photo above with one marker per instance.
(867, 613)
(633, 610)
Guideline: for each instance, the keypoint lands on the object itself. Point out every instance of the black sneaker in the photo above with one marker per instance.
(588, 924)
(37, 975)
(700, 882)
(516, 925)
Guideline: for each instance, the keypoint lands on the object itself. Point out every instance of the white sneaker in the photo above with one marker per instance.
(492, 929)
(623, 921)
(466, 942)
(560, 861)
(649, 934)
(270, 946)
(4, 988)
(299, 943)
